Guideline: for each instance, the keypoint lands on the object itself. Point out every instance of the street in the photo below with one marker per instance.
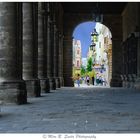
(75, 110)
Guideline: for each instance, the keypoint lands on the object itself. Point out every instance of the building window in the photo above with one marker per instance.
(78, 51)
(78, 63)
(105, 40)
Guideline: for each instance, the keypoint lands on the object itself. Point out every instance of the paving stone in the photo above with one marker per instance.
(75, 110)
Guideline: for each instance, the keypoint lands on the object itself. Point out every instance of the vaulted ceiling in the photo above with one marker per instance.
(90, 7)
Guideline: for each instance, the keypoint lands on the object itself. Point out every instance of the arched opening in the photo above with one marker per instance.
(92, 55)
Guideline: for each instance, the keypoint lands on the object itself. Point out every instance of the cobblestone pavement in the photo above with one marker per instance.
(75, 110)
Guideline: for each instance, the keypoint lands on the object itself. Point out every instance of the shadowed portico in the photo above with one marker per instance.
(36, 45)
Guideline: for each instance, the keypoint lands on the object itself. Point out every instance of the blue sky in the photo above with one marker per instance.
(82, 33)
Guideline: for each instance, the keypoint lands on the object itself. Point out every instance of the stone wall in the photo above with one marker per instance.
(131, 27)
(130, 19)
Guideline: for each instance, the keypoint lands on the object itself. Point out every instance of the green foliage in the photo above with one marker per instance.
(91, 74)
(89, 65)
(83, 71)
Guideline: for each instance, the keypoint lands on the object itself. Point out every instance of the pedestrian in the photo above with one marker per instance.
(104, 81)
(97, 79)
(93, 80)
(78, 80)
(87, 80)
(100, 80)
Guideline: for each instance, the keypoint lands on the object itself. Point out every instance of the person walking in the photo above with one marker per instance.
(93, 80)
(78, 80)
(87, 79)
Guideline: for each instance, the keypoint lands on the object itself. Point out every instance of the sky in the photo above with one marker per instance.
(82, 32)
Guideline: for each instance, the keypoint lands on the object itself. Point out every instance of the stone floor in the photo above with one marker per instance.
(75, 110)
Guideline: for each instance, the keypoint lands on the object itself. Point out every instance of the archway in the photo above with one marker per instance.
(114, 23)
(92, 54)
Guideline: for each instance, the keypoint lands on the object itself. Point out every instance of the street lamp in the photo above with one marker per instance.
(92, 46)
(94, 36)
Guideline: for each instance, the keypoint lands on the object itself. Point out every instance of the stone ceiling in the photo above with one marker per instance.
(89, 7)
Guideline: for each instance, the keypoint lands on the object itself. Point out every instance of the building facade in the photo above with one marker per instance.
(77, 56)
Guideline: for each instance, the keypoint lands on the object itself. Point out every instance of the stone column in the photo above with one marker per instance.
(50, 45)
(137, 84)
(48, 42)
(116, 63)
(30, 49)
(60, 67)
(56, 54)
(137, 81)
(124, 64)
(42, 50)
(54, 30)
(58, 61)
(12, 87)
(67, 56)
(133, 42)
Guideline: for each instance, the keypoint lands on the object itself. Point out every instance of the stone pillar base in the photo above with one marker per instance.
(128, 81)
(116, 82)
(123, 80)
(61, 81)
(52, 83)
(137, 83)
(45, 85)
(57, 80)
(131, 81)
(68, 82)
(127, 84)
(33, 88)
(13, 92)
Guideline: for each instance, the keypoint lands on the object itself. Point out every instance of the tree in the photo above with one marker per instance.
(89, 65)
(92, 73)
(83, 71)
